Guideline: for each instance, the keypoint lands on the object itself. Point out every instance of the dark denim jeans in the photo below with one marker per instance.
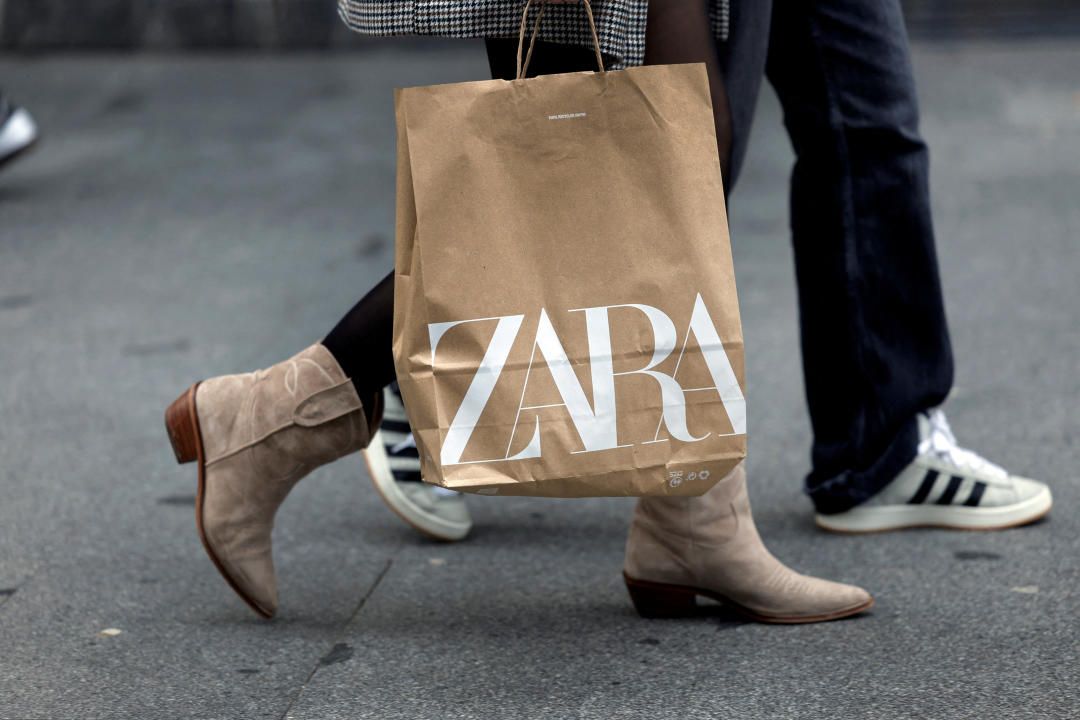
(875, 343)
(874, 339)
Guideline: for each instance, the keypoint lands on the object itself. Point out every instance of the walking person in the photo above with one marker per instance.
(877, 358)
(255, 435)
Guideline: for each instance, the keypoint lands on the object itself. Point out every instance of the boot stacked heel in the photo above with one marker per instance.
(652, 600)
(183, 427)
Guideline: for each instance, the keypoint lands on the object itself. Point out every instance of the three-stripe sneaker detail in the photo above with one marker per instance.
(974, 490)
(946, 486)
(394, 465)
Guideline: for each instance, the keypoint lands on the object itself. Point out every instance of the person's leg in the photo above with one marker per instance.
(679, 548)
(255, 435)
(361, 344)
(874, 339)
(680, 33)
(361, 340)
(876, 348)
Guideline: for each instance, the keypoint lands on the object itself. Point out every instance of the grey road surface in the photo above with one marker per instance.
(194, 216)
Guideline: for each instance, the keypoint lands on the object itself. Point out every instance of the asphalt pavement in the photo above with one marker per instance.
(187, 216)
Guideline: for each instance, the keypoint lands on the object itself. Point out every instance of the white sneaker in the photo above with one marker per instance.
(18, 132)
(945, 486)
(394, 465)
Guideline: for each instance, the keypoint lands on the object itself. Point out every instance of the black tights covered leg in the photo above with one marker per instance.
(361, 341)
(678, 32)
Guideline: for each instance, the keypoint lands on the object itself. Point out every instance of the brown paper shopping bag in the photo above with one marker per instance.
(565, 319)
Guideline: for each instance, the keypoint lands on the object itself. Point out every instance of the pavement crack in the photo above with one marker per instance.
(335, 644)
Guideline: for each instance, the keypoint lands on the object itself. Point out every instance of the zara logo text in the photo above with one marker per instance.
(595, 422)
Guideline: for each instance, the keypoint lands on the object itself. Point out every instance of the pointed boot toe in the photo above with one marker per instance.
(254, 436)
(255, 583)
(243, 557)
(843, 599)
(797, 598)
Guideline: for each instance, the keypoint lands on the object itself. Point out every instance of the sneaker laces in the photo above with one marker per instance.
(941, 444)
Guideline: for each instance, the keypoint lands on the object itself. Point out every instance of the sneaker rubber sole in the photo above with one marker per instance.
(378, 466)
(900, 517)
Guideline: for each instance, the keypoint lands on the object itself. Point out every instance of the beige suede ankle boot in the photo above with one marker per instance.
(254, 436)
(679, 548)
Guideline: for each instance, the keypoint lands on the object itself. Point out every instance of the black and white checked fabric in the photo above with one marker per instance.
(620, 24)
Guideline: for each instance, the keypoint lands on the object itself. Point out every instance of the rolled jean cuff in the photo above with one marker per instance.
(851, 487)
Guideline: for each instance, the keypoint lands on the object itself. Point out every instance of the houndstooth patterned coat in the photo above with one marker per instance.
(620, 24)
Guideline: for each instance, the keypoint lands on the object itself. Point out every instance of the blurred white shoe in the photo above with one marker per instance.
(394, 465)
(18, 132)
(945, 486)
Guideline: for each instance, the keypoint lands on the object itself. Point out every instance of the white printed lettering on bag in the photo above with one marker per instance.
(596, 423)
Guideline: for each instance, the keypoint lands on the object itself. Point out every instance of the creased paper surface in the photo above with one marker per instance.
(566, 321)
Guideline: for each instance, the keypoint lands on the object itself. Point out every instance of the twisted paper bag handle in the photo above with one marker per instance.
(522, 68)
